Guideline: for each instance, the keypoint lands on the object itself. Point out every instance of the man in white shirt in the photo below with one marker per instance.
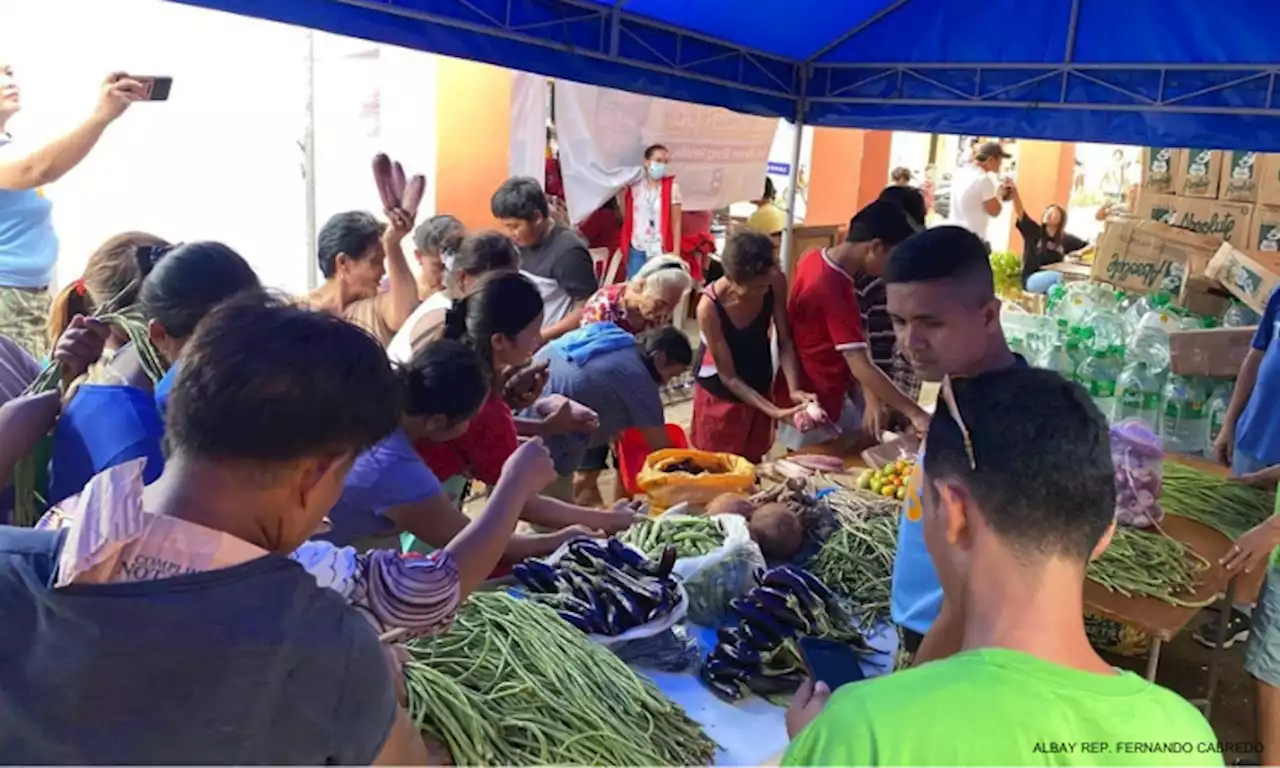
(976, 198)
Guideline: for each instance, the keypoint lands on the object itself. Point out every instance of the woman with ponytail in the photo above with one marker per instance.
(114, 273)
(501, 320)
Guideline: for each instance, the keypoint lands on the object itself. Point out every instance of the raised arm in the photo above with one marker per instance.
(55, 159)
(401, 298)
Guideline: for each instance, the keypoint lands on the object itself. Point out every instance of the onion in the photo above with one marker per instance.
(815, 412)
(778, 530)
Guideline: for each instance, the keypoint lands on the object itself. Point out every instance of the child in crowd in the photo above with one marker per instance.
(391, 491)
(104, 425)
(500, 320)
(740, 316)
(1012, 521)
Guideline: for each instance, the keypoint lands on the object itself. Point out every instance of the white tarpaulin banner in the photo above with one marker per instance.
(718, 156)
(529, 114)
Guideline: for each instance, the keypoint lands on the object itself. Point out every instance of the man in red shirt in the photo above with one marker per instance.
(830, 341)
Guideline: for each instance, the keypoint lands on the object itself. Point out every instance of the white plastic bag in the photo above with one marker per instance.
(713, 579)
(1137, 455)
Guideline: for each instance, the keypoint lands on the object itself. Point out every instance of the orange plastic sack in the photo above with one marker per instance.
(721, 473)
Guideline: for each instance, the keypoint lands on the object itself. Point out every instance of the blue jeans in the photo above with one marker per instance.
(635, 260)
(1042, 281)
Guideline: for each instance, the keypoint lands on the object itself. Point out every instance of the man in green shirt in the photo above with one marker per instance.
(1013, 510)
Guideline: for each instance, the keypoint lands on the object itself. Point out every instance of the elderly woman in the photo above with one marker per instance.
(644, 302)
(28, 245)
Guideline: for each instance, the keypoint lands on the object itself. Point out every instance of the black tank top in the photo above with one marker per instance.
(750, 348)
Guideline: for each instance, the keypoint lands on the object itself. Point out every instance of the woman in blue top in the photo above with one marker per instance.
(104, 425)
(28, 245)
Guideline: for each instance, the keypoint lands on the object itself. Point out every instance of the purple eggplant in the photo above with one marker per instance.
(577, 620)
(534, 578)
(728, 635)
(759, 619)
(789, 582)
(626, 557)
(777, 604)
(770, 685)
(666, 563)
(727, 689)
(745, 656)
(814, 584)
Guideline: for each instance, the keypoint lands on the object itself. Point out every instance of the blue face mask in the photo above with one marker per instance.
(657, 170)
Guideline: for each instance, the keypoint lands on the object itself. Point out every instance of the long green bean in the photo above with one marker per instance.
(513, 684)
(1229, 508)
(856, 560)
(1150, 565)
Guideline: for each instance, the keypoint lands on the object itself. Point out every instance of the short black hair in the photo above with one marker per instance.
(445, 378)
(265, 382)
(1044, 480)
(519, 197)
(748, 255)
(669, 341)
(438, 233)
(486, 252)
(190, 281)
(878, 220)
(352, 233)
(942, 253)
(649, 150)
(909, 198)
(770, 191)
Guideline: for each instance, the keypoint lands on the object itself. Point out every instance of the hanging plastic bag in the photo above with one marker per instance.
(1137, 454)
(714, 579)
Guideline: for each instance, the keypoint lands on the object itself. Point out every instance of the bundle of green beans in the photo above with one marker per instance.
(1150, 565)
(512, 684)
(27, 504)
(691, 536)
(1227, 507)
(856, 561)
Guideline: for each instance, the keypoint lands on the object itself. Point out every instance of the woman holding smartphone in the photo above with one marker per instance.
(28, 244)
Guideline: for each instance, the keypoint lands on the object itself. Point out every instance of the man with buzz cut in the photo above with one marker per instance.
(1013, 511)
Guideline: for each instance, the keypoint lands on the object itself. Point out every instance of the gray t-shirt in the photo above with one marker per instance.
(617, 385)
(254, 664)
(561, 267)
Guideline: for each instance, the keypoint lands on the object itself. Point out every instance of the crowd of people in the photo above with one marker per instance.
(223, 469)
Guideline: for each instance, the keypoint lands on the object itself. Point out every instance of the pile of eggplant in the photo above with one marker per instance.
(758, 654)
(603, 589)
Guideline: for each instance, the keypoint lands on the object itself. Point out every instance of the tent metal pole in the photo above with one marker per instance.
(793, 177)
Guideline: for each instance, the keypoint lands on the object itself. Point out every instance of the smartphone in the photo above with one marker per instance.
(829, 662)
(157, 87)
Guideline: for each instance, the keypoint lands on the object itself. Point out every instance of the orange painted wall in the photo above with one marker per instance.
(473, 134)
(1045, 170)
(849, 167)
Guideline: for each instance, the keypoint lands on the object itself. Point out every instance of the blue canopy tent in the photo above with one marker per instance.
(1144, 72)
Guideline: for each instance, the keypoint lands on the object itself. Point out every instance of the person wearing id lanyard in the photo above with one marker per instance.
(651, 212)
(28, 244)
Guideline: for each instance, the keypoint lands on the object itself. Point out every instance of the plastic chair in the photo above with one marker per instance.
(631, 450)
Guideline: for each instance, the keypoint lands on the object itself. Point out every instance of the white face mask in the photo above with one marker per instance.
(446, 258)
(657, 170)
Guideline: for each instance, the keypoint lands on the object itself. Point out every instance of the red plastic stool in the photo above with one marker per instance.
(631, 450)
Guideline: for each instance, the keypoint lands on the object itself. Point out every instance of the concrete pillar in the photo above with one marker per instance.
(473, 137)
(849, 168)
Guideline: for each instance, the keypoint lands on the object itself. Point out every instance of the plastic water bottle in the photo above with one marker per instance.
(1108, 328)
(1149, 342)
(1217, 408)
(1186, 424)
(1138, 395)
(1239, 316)
(1099, 374)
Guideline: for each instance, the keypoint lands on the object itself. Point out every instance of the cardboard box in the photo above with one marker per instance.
(1216, 352)
(1222, 219)
(1239, 176)
(1148, 256)
(1159, 164)
(1250, 277)
(1203, 296)
(1264, 229)
(1199, 172)
(1155, 206)
(1267, 173)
